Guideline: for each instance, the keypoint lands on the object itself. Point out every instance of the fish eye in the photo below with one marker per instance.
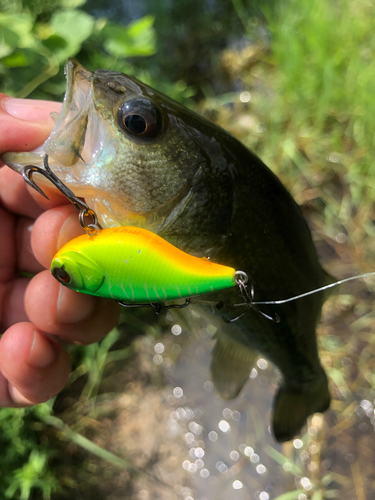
(61, 275)
(140, 118)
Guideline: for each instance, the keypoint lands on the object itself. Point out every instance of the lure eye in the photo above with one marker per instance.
(140, 118)
(61, 275)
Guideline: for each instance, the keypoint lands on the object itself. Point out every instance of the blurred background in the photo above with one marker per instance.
(140, 420)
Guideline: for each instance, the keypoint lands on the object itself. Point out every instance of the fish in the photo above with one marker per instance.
(140, 159)
(134, 265)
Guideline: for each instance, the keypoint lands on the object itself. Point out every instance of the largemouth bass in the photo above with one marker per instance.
(139, 158)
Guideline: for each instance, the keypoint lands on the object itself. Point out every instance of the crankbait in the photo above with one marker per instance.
(134, 265)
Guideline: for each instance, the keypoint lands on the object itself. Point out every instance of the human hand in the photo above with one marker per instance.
(35, 312)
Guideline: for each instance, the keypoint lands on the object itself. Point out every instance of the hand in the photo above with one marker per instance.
(35, 312)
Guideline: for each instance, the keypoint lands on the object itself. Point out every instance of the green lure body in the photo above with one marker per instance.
(134, 265)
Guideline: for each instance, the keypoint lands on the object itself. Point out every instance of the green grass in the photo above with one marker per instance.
(327, 88)
(321, 116)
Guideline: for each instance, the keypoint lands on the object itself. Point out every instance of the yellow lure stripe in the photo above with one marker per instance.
(134, 265)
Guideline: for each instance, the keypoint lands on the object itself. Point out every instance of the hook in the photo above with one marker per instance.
(241, 280)
(83, 209)
(156, 305)
(29, 170)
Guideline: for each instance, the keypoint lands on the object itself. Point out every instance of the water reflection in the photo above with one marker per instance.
(222, 452)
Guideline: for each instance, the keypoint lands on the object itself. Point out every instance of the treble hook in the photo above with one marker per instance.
(83, 209)
(241, 280)
(158, 306)
(29, 170)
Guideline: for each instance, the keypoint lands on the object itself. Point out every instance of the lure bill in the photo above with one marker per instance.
(134, 265)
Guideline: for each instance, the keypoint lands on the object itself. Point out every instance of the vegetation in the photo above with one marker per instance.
(296, 84)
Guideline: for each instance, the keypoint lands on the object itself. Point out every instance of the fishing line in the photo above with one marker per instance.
(311, 292)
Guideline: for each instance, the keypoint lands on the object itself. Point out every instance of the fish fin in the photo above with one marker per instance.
(293, 405)
(231, 363)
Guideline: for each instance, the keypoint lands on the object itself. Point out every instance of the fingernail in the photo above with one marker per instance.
(42, 353)
(73, 307)
(30, 109)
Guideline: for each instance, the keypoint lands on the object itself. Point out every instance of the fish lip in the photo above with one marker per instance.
(67, 139)
(69, 75)
(71, 69)
(74, 73)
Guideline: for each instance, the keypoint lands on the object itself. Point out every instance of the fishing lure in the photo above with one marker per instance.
(134, 265)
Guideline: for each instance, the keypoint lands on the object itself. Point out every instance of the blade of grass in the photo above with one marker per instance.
(96, 450)
(85, 443)
(358, 481)
(282, 459)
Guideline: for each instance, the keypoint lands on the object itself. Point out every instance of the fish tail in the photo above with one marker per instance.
(293, 405)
